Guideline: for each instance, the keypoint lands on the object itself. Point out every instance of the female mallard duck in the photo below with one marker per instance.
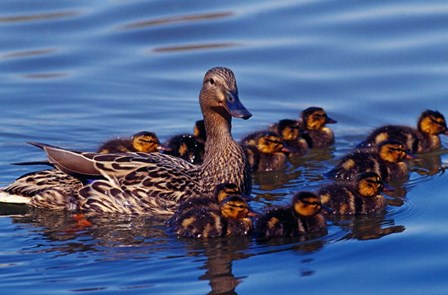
(314, 131)
(424, 139)
(152, 183)
(145, 142)
(289, 130)
(207, 218)
(265, 151)
(359, 196)
(387, 160)
(301, 217)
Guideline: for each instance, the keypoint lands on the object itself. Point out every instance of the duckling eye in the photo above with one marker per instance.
(211, 81)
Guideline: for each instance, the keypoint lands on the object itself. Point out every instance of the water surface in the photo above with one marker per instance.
(74, 74)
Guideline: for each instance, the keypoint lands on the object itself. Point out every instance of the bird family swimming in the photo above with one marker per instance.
(152, 183)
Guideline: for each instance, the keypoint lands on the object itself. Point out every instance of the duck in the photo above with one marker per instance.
(145, 142)
(314, 131)
(190, 147)
(423, 139)
(387, 160)
(151, 183)
(228, 215)
(361, 195)
(265, 151)
(289, 130)
(301, 217)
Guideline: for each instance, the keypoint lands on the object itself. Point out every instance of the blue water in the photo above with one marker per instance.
(75, 73)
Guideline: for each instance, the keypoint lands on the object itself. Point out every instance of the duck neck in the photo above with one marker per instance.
(218, 127)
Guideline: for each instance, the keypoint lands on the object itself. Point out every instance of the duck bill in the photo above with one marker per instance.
(410, 156)
(235, 107)
(388, 189)
(326, 209)
(331, 121)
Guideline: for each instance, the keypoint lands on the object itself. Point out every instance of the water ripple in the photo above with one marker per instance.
(38, 17)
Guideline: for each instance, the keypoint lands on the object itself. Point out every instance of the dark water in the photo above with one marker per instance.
(76, 73)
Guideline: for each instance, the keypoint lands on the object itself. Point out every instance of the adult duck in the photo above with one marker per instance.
(152, 184)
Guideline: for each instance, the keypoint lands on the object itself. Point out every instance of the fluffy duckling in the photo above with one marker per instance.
(190, 147)
(289, 130)
(314, 131)
(387, 160)
(265, 151)
(360, 196)
(230, 218)
(301, 217)
(145, 142)
(421, 140)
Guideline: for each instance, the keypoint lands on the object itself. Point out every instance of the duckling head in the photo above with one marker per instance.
(235, 207)
(315, 118)
(224, 190)
(288, 129)
(369, 184)
(306, 204)
(145, 142)
(219, 94)
(393, 151)
(432, 122)
(269, 143)
(199, 130)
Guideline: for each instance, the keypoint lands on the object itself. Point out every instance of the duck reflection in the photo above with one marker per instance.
(367, 227)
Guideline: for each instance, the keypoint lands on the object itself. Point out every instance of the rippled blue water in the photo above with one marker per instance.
(74, 73)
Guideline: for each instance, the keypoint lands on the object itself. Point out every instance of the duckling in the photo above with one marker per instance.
(221, 192)
(231, 218)
(265, 151)
(387, 160)
(187, 147)
(190, 147)
(424, 139)
(148, 183)
(301, 217)
(289, 130)
(314, 131)
(145, 142)
(359, 196)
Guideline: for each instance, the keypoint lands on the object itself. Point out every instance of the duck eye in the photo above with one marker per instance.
(212, 81)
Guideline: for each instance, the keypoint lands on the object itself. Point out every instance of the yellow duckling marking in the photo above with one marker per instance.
(187, 222)
(307, 206)
(325, 198)
(316, 120)
(183, 149)
(381, 137)
(146, 142)
(432, 125)
(272, 222)
(349, 164)
(369, 187)
(269, 144)
(392, 152)
(236, 209)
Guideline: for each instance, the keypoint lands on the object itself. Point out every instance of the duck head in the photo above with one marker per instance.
(393, 151)
(146, 142)
(235, 207)
(220, 93)
(432, 122)
(369, 184)
(288, 129)
(315, 118)
(270, 143)
(306, 204)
